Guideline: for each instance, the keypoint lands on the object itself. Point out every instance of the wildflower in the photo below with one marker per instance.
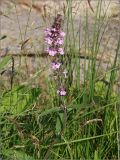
(51, 51)
(61, 51)
(54, 37)
(47, 32)
(53, 29)
(48, 40)
(61, 92)
(59, 41)
(56, 65)
(62, 34)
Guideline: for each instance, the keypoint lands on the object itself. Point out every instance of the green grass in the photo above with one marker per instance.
(34, 126)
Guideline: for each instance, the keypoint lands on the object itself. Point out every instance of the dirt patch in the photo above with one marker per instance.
(24, 20)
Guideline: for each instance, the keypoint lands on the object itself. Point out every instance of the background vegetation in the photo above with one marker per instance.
(33, 124)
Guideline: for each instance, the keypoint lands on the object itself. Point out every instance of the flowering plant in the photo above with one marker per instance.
(54, 37)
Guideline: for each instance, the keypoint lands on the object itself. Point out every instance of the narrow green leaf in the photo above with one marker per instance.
(4, 61)
(96, 155)
(59, 123)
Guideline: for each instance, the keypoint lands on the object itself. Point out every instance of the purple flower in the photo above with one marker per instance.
(61, 92)
(62, 34)
(47, 32)
(59, 41)
(54, 37)
(52, 51)
(48, 40)
(53, 29)
(56, 65)
(61, 51)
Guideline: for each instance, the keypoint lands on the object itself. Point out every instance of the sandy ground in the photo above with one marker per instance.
(19, 22)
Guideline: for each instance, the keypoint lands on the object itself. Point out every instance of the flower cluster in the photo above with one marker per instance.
(54, 37)
(61, 91)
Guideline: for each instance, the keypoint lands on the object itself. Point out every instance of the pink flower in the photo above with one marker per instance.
(56, 65)
(59, 41)
(62, 34)
(61, 92)
(48, 40)
(52, 52)
(53, 29)
(61, 51)
(47, 31)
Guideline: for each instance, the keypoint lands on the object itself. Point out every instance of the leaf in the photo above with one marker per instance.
(4, 61)
(18, 99)
(24, 43)
(90, 5)
(96, 155)
(17, 155)
(59, 123)
(3, 37)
